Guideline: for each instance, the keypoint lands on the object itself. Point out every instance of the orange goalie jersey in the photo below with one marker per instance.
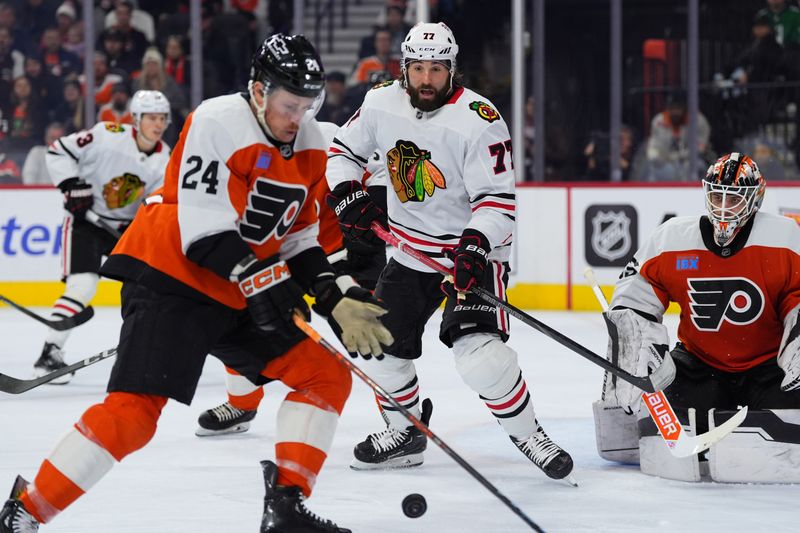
(224, 176)
(733, 300)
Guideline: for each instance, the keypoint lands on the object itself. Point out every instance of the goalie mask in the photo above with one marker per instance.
(429, 41)
(734, 190)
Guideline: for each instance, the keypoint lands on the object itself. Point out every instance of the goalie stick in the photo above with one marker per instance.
(306, 328)
(650, 383)
(679, 443)
(59, 325)
(18, 386)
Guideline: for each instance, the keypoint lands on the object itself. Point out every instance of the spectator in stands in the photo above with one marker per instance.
(785, 21)
(75, 41)
(70, 111)
(59, 62)
(117, 109)
(139, 19)
(46, 89)
(34, 171)
(9, 171)
(668, 144)
(398, 28)
(382, 61)
(119, 61)
(334, 108)
(597, 155)
(65, 18)
(153, 78)
(8, 20)
(33, 19)
(176, 65)
(134, 41)
(27, 121)
(104, 80)
(11, 64)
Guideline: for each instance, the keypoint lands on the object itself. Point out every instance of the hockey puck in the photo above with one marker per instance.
(414, 505)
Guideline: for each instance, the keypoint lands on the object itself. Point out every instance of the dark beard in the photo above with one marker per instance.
(438, 100)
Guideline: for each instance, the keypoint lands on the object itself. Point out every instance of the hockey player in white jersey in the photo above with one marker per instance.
(449, 158)
(107, 169)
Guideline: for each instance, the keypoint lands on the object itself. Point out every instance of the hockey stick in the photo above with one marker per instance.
(650, 384)
(17, 386)
(59, 325)
(670, 428)
(306, 328)
(95, 219)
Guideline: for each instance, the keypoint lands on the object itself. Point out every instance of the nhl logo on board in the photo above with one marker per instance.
(610, 234)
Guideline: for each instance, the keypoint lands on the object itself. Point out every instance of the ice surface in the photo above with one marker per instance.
(180, 483)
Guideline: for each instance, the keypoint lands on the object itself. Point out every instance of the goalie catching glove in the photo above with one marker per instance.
(355, 311)
(641, 347)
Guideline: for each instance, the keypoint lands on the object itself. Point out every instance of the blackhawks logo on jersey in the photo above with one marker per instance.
(114, 127)
(485, 111)
(123, 190)
(413, 173)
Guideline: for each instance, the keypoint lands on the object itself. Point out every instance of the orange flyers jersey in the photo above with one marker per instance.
(225, 175)
(733, 300)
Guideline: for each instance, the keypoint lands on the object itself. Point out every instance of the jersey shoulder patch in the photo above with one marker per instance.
(114, 127)
(484, 110)
(382, 84)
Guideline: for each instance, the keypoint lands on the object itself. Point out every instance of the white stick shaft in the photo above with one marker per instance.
(588, 273)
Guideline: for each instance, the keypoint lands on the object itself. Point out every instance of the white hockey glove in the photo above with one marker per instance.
(355, 311)
(789, 353)
(640, 347)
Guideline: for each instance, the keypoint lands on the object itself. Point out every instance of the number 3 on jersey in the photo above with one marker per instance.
(208, 177)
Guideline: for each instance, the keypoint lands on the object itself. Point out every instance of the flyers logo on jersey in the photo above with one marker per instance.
(713, 301)
(413, 173)
(485, 111)
(272, 208)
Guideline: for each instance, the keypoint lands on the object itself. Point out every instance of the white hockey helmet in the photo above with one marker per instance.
(149, 102)
(430, 41)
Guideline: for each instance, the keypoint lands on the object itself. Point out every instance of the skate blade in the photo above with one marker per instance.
(238, 428)
(407, 461)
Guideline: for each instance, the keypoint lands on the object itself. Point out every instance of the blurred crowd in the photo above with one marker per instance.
(748, 103)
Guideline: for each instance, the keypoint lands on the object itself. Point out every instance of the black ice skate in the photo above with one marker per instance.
(224, 419)
(52, 359)
(545, 454)
(13, 516)
(284, 510)
(393, 448)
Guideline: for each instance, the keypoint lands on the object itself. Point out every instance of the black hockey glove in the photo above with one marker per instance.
(355, 210)
(354, 311)
(470, 259)
(272, 295)
(78, 197)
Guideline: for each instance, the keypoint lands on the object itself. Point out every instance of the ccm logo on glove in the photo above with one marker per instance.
(265, 279)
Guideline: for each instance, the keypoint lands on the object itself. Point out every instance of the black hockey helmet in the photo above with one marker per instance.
(291, 62)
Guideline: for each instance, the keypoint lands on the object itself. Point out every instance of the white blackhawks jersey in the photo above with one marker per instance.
(108, 158)
(449, 169)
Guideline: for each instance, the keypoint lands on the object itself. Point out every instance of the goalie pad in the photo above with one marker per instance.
(765, 448)
(789, 353)
(655, 458)
(616, 433)
(640, 347)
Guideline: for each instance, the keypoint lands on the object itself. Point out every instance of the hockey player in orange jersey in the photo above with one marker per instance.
(735, 272)
(216, 262)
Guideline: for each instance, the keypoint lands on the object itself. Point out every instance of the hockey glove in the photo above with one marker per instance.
(355, 311)
(789, 354)
(356, 211)
(470, 259)
(641, 347)
(272, 295)
(78, 197)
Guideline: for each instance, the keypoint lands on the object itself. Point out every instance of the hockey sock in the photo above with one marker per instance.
(308, 416)
(399, 378)
(490, 368)
(242, 393)
(105, 434)
(80, 289)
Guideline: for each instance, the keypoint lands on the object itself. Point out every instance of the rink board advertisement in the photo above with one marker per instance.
(561, 229)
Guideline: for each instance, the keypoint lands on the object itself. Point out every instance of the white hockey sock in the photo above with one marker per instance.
(80, 289)
(399, 378)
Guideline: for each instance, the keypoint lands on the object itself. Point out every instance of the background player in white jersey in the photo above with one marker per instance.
(448, 155)
(244, 394)
(735, 272)
(109, 169)
(235, 249)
